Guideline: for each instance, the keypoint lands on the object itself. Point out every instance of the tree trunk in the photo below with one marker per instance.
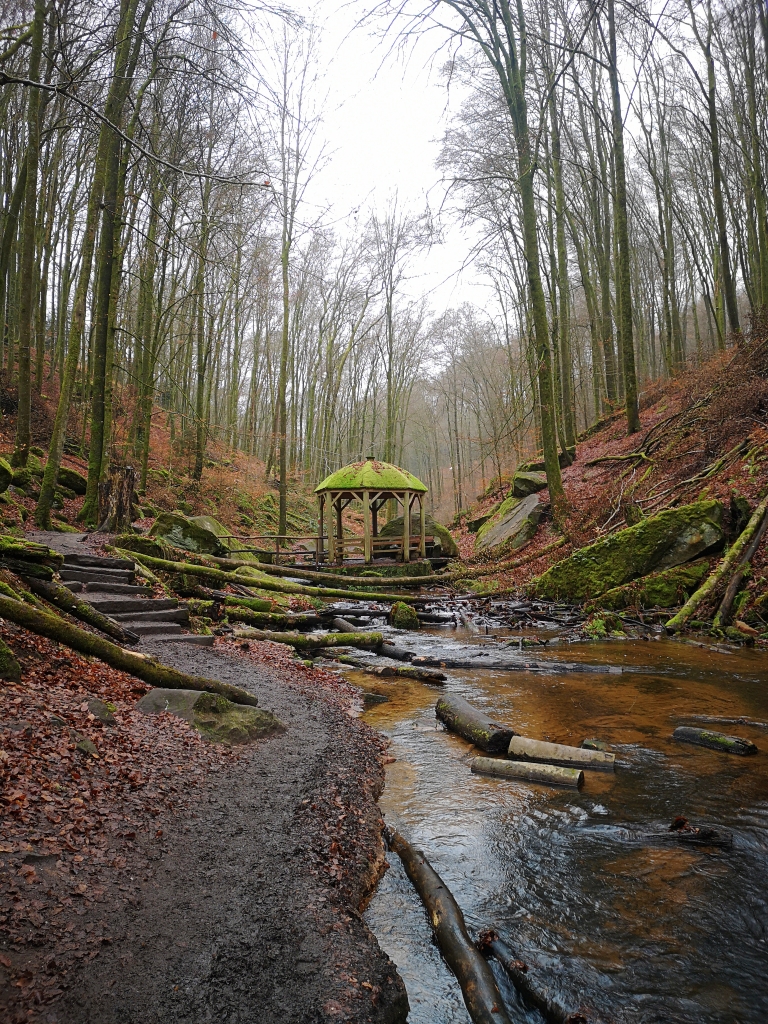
(460, 717)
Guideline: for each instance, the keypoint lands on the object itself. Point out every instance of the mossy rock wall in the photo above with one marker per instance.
(671, 538)
(514, 528)
(665, 589)
(526, 482)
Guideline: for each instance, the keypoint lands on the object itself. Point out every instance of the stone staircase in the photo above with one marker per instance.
(109, 584)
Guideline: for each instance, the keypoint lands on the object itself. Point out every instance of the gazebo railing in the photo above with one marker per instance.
(283, 546)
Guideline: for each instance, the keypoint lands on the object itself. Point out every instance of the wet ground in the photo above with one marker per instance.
(639, 929)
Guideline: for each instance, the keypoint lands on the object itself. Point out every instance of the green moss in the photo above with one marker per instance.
(221, 721)
(9, 667)
(442, 535)
(6, 475)
(665, 589)
(498, 514)
(371, 475)
(181, 532)
(402, 616)
(668, 539)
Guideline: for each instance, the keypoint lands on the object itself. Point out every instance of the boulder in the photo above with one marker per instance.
(671, 538)
(189, 534)
(665, 589)
(444, 544)
(525, 483)
(402, 616)
(72, 479)
(565, 459)
(6, 475)
(514, 525)
(234, 547)
(217, 718)
(474, 525)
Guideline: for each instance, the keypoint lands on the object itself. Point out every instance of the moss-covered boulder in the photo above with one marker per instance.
(665, 589)
(513, 525)
(72, 479)
(444, 545)
(6, 475)
(526, 482)
(9, 667)
(402, 616)
(671, 538)
(565, 459)
(233, 547)
(188, 534)
(217, 718)
(476, 524)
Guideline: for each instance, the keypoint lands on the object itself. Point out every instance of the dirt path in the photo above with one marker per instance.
(249, 911)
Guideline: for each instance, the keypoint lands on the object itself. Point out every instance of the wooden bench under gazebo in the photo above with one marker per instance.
(372, 483)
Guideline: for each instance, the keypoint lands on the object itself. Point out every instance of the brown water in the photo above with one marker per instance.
(640, 931)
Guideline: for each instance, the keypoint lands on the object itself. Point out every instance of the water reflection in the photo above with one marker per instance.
(642, 931)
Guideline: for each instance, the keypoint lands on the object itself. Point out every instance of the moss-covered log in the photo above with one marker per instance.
(79, 640)
(28, 570)
(724, 570)
(302, 642)
(714, 740)
(460, 717)
(303, 620)
(478, 985)
(724, 615)
(28, 551)
(63, 598)
(260, 583)
(536, 995)
(255, 604)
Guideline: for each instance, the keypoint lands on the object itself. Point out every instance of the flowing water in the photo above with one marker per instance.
(638, 929)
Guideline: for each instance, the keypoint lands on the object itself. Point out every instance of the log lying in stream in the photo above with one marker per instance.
(715, 720)
(478, 985)
(714, 740)
(460, 717)
(523, 749)
(681, 831)
(549, 774)
(536, 996)
(424, 675)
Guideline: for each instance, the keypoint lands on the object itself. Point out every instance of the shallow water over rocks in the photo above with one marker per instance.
(639, 930)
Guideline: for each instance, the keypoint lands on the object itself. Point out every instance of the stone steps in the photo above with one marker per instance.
(97, 575)
(152, 615)
(148, 627)
(110, 605)
(98, 562)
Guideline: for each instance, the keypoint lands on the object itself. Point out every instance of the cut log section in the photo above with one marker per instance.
(535, 995)
(461, 717)
(424, 675)
(714, 740)
(549, 774)
(478, 985)
(523, 749)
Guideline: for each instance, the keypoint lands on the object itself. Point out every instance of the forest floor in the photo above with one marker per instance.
(704, 434)
(166, 879)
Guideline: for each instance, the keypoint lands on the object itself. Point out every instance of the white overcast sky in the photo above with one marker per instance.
(383, 120)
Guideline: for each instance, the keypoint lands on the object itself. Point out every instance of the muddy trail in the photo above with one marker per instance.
(249, 910)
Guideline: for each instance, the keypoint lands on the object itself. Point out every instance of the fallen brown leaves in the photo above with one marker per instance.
(69, 819)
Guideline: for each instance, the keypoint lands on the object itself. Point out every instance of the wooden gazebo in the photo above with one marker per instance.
(373, 483)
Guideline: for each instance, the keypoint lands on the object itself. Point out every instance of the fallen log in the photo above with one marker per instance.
(54, 628)
(727, 565)
(681, 831)
(343, 625)
(391, 650)
(475, 726)
(724, 615)
(536, 996)
(715, 720)
(550, 774)
(63, 598)
(478, 985)
(523, 749)
(424, 675)
(714, 740)
(271, 619)
(305, 642)
(29, 551)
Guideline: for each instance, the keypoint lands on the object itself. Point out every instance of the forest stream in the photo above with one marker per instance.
(607, 917)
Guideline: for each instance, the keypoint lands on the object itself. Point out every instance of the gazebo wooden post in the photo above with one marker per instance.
(319, 549)
(422, 528)
(329, 528)
(367, 527)
(339, 531)
(406, 526)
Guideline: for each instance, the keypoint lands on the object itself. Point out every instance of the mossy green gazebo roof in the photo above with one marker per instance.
(371, 475)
